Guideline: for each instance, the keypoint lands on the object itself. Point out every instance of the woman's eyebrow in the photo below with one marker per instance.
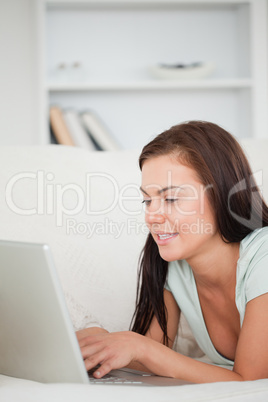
(162, 190)
(143, 191)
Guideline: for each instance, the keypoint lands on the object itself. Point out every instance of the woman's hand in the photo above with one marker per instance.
(83, 333)
(111, 351)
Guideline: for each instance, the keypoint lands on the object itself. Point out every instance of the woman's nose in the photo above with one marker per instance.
(155, 213)
(152, 218)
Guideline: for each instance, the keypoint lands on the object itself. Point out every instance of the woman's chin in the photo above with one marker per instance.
(168, 256)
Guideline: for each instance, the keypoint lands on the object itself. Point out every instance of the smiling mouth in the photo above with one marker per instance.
(166, 236)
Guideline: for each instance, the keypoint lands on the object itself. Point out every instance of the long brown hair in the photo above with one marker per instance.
(239, 208)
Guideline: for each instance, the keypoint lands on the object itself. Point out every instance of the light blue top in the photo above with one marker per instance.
(251, 282)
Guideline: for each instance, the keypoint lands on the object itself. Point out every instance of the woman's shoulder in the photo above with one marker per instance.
(255, 239)
(254, 246)
(252, 274)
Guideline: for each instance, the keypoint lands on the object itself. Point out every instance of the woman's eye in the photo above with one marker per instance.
(171, 200)
(146, 202)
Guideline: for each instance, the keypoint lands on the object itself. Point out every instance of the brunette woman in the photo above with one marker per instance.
(206, 256)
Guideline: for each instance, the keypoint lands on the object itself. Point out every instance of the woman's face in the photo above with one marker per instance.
(178, 213)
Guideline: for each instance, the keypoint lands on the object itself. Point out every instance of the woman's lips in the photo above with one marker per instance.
(163, 238)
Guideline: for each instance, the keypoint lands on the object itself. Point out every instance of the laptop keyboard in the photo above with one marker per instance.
(110, 379)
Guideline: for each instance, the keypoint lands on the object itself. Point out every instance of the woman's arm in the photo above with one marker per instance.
(155, 332)
(251, 360)
(121, 349)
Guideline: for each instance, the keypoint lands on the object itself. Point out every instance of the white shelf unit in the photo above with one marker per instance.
(150, 85)
(115, 42)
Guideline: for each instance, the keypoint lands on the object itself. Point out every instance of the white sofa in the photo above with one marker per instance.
(87, 207)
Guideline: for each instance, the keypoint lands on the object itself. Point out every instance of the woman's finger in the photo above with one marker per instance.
(94, 360)
(104, 369)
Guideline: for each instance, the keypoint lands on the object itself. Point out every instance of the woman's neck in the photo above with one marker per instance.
(216, 268)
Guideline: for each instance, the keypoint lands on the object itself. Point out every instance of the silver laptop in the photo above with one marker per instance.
(37, 339)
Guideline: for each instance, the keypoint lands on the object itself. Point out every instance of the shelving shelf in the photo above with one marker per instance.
(115, 41)
(151, 85)
(97, 55)
(140, 3)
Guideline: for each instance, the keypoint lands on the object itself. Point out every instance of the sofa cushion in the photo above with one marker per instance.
(76, 201)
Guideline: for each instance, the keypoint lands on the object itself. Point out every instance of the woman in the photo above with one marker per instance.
(206, 256)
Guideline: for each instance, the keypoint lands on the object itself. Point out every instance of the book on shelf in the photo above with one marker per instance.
(78, 133)
(99, 133)
(59, 128)
(53, 139)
